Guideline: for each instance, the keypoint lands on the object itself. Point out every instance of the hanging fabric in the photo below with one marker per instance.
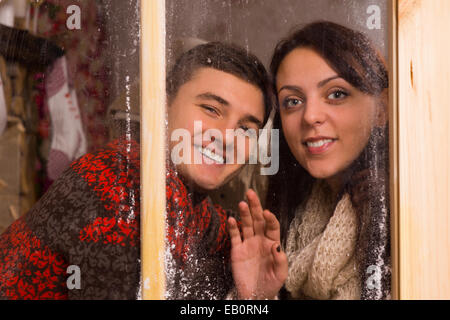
(68, 139)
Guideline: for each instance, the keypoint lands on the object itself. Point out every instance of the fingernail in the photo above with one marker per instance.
(278, 248)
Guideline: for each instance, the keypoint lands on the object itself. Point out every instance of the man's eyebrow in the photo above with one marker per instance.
(222, 101)
(212, 96)
(250, 118)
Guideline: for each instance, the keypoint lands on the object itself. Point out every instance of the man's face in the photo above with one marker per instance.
(217, 100)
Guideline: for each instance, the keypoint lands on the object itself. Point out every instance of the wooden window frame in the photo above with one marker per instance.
(418, 271)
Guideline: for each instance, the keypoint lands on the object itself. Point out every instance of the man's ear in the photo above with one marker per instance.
(382, 113)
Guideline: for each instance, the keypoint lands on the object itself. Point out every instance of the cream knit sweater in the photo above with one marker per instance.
(321, 248)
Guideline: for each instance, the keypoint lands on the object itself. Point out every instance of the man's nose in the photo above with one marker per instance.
(230, 135)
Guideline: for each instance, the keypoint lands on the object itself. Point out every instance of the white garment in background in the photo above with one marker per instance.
(7, 13)
(68, 138)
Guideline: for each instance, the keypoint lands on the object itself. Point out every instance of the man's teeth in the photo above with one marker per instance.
(209, 154)
(318, 144)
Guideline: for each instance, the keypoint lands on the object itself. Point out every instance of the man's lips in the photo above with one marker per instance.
(210, 154)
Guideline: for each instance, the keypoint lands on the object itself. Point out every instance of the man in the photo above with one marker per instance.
(87, 224)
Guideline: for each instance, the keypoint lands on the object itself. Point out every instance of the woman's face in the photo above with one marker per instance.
(326, 121)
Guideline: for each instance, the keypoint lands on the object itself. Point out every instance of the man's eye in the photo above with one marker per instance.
(292, 102)
(209, 109)
(337, 95)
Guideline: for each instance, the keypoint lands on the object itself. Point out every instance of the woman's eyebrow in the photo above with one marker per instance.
(291, 88)
(299, 89)
(324, 82)
(212, 96)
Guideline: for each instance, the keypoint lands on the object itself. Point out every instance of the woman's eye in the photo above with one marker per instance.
(337, 95)
(292, 102)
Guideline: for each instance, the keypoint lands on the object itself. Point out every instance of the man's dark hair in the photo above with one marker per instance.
(223, 57)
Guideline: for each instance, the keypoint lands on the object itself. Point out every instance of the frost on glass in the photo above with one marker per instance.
(359, 269)
(69, 153)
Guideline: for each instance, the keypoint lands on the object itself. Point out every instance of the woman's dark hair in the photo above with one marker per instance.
(349, 53)
(352, 56)
(223, 57)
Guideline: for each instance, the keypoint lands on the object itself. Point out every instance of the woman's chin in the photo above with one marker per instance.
(335, 178)
(322, 173)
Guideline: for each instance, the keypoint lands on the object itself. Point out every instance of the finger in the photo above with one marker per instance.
(256, 211)
(246, 220)
(280, 262)
(272, 226)
(233, 230)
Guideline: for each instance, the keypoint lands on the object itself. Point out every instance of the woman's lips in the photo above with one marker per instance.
(319, 146)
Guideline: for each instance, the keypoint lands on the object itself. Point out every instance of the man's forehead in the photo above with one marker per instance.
(208, 72)
(220, 82)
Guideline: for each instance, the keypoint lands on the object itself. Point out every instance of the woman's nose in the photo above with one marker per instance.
(314, 112)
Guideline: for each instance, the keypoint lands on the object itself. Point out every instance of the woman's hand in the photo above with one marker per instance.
(259, 266)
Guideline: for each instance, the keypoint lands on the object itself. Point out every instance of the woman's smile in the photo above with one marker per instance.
(319, 145)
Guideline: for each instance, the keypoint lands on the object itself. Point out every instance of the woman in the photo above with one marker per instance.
(330, 194)
(332, 96)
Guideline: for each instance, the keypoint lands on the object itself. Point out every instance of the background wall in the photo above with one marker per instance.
(254, 24)
(259, 24)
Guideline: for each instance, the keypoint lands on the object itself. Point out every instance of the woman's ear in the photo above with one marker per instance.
(382, 114)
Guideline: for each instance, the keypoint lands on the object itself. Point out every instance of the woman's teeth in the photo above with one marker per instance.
(211, 155)
(318, 144)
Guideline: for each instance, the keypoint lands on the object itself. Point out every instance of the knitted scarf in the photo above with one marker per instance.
(321, 248)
